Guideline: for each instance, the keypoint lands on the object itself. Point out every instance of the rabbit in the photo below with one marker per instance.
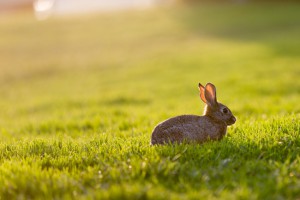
(196, 129)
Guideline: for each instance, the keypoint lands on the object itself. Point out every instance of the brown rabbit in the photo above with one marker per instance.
(198, 129)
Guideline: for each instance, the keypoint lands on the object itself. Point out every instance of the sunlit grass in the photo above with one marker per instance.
(80, 97)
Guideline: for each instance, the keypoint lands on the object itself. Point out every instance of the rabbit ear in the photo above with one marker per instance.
(202, 89)
(210, 95)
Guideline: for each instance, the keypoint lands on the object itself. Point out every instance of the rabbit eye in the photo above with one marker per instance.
(225, 110)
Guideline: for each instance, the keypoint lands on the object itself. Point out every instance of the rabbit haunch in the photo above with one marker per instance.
(192, 128)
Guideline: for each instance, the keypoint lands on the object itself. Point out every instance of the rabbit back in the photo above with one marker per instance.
(188, 128)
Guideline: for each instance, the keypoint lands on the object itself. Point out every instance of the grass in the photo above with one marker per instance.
(80, 97)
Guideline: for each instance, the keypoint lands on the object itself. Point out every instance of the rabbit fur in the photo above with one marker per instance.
(196, 129)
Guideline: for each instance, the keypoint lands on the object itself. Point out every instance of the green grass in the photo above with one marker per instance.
(80, 97)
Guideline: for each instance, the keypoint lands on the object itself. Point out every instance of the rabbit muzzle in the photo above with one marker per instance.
(231, 121)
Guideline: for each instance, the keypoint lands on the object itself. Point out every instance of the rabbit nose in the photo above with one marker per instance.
(233, 119)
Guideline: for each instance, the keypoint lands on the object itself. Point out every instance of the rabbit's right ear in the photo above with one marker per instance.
(202, 89)
(211, 95)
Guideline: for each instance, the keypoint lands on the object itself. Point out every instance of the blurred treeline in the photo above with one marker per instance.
(236, 1)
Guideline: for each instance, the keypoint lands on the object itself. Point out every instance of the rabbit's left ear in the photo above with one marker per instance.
(202, 89)
(211, 95)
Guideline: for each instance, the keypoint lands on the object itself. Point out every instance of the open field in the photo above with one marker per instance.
(80, 97)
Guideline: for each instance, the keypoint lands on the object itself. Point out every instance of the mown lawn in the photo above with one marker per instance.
(81, 95)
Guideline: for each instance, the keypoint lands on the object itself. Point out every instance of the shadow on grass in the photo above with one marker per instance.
(274, 25)
(230, 166)
(126, 101)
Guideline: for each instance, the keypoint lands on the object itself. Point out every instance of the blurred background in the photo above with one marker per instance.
(131, 63)
(45, 8)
